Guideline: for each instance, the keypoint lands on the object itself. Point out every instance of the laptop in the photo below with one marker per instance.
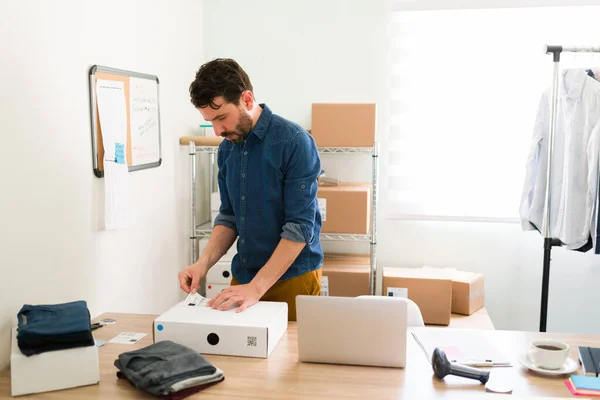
(369, 331)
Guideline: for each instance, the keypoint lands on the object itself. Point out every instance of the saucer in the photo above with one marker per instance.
(568, 367)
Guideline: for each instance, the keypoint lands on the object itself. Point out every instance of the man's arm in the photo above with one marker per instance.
(283, 256)
(220, 242)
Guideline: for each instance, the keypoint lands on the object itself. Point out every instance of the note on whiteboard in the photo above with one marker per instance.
(112, 111)
(145, 142)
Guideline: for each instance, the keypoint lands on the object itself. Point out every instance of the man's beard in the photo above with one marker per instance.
(242, 130)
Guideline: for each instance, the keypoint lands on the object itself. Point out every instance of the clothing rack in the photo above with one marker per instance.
(550, 242)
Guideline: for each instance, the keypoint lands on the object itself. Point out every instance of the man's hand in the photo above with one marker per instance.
(189, 278)
(242, 295)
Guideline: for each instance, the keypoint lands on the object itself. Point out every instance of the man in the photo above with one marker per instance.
(268, 170)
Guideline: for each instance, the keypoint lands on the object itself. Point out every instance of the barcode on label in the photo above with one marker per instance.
(252, 341)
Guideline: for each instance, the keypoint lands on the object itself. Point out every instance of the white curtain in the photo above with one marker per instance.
(465, 87)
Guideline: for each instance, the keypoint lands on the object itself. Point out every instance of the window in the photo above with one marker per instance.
(465, 86)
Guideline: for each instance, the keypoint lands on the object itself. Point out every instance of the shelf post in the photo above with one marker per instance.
(373, 271)
(193, 241)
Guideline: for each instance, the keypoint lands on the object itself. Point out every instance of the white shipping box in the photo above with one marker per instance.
(220, 273)
(213, 289)
(52, 370)
(252, 333)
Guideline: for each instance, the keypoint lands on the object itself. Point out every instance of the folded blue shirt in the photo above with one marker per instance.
(54, 319)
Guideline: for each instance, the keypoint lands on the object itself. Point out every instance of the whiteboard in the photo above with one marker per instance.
(145, 136)
(142, 108)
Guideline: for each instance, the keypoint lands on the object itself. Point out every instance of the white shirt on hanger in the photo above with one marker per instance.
(574, 184)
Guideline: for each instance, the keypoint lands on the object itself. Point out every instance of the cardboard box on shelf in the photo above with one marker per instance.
(468, 294)
(343, 124)
(345, 208)
(431, 290)
(346, 275)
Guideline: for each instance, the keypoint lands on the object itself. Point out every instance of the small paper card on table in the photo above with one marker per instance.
(127, 338)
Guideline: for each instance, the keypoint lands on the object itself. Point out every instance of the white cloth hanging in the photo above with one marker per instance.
(574, 185)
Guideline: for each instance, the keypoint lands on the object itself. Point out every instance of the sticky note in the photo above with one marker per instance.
(586, 382)
(119, 153)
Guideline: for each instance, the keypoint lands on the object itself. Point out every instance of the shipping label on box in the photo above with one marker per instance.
(323, 208)
(324, 285)
(397, 292)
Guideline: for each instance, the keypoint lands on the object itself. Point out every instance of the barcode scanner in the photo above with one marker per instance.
(442, 367)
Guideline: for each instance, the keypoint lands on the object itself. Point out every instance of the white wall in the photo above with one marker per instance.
(297, 53)
(51, 204)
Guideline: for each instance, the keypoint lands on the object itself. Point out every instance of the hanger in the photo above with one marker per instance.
(594, 72)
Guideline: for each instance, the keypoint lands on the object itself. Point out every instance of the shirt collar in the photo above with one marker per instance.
(573, 82)
(263, 122)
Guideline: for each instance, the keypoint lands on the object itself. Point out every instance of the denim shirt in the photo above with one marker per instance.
(268, 188)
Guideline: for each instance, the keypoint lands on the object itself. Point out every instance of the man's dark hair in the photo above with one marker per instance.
(219, 77)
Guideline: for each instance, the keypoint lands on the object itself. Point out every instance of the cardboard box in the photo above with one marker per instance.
(467, 289)
(345, 208)
(52, 370)
(467, 292)
(252, 333)
(345, 276)
(220, 273)
(343, 125)
(429, 289)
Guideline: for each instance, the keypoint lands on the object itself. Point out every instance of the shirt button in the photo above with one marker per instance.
(243, 175)
(243, 241)
(303, 186)
(245, 153)
(243, 260)
(243, 197)
(243, 218)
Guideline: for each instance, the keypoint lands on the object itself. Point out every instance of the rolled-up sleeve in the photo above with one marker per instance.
(301, 171)
(226, 216)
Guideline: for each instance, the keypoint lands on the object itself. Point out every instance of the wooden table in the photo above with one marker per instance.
(480, 319)
(281, 376)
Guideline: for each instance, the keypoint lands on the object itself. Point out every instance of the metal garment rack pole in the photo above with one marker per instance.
(550, 242)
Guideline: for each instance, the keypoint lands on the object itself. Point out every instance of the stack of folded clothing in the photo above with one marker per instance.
(43, 328)
(167, 369)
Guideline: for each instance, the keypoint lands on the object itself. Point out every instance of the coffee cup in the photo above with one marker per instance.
(548, 354)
